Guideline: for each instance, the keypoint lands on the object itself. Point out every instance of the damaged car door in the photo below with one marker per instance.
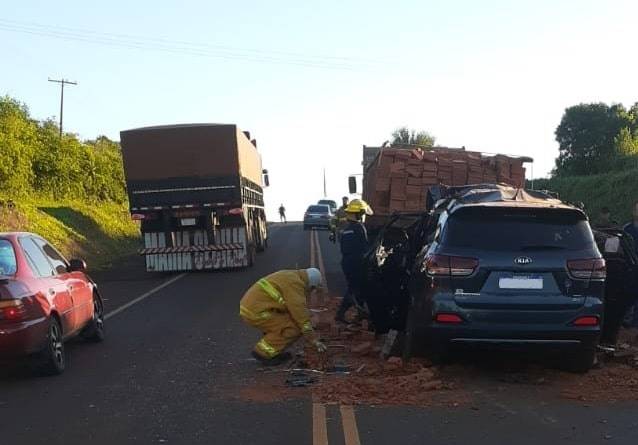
(387, 267)
(621, 284)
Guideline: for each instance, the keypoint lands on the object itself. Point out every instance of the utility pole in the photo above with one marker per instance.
(325, 195)
(62, 82)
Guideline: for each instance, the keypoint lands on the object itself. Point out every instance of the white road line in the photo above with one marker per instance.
(144, 296)
(312, 248)
(320, 261)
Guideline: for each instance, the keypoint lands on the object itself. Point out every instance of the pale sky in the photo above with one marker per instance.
(313, 82)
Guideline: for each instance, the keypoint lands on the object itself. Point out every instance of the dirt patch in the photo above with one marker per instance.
(12, 220)
(353, 372)
(617, 378)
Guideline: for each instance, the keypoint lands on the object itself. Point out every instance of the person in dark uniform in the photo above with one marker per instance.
(604, 220)
(621, 283)
(631, 229)
(353, 243)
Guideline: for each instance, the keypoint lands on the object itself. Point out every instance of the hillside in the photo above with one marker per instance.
(69, 191)
(616, 190)
(97, 232)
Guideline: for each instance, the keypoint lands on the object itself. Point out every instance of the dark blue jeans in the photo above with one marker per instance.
(352, 269)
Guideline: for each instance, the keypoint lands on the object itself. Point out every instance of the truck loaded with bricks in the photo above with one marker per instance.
(398, 178)
(197, 190)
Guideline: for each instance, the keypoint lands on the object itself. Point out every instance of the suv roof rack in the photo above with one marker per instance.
(442, 195)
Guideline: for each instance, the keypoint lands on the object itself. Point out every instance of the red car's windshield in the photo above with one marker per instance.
(8, 265)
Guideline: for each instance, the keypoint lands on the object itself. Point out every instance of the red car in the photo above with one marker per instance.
(44, 300)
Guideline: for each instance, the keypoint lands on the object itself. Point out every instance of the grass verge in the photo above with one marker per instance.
(99, 232)
(616, 190)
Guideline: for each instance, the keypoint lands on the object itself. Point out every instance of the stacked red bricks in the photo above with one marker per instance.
(398, 179)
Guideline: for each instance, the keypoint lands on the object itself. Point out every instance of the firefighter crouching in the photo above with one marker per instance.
(277, 306)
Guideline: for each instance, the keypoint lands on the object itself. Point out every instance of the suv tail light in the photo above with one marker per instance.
(12, 310)
(457, 266)
(590, 269)
(587, 320)
(448, 318)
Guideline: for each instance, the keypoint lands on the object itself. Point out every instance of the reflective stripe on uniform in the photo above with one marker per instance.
(266, 348)
(250, 315)
(306, 327)
(271, 291)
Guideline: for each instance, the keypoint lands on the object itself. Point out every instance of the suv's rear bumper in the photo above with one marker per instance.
(509, 328)
(514, 336)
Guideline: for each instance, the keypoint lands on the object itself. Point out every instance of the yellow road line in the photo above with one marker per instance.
(312, 248)
(319, 424)
(349, 422)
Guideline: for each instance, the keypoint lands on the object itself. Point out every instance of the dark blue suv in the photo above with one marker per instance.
(517, 271)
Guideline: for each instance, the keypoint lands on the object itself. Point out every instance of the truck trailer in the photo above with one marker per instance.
(197, 190)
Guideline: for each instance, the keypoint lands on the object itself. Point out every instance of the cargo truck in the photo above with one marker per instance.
(397, 179)
(197, 190)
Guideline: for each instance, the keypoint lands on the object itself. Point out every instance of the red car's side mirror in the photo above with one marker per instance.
(77, 265)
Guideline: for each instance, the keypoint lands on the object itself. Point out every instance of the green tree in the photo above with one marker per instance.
(33, 158)
(406, 136)
(18, 141)
(587, 137)
(626, 142)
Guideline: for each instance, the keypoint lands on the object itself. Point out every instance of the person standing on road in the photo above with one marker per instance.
(353, 243)
(277, 306)
(631, 229)
(341, 216)
(604, 220)
(340, 220)
(282, 214)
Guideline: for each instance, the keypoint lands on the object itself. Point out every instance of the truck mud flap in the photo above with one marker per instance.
(192, 251)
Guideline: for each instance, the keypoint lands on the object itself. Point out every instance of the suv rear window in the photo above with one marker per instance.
(8, 264)
(319, 209)
(517, 229)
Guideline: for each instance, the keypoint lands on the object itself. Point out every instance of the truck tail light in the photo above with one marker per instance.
(587, 320)
(589, 269)
(12, 310)
(448, 318)
(440, 265)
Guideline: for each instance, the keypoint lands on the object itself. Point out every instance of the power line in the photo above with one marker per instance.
(188, 48)
(62, 83)
(182, 42)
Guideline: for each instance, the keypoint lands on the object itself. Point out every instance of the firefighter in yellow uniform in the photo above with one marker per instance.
(277, 306)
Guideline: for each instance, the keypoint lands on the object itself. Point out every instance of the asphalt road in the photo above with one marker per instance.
(176, 369)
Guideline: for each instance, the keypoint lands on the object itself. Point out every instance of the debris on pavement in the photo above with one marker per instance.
(354, 372)
(298, 379)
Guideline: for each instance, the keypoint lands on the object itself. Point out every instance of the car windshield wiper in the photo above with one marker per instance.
(542, 247)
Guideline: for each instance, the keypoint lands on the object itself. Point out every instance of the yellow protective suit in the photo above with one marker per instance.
(276, 305)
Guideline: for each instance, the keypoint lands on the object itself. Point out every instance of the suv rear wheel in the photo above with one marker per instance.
(581, 361)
